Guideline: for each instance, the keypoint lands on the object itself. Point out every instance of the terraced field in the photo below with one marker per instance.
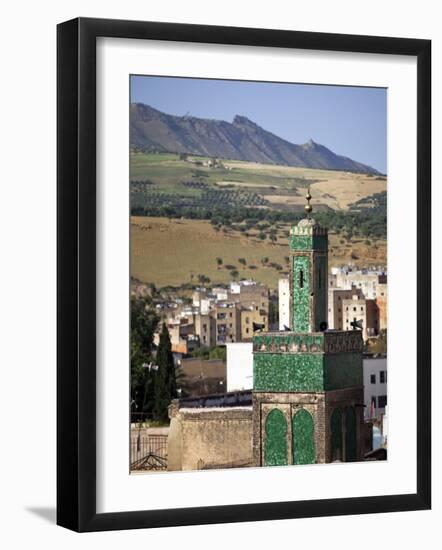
(164, 179)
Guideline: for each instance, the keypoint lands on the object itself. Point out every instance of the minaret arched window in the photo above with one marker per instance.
(301, 278)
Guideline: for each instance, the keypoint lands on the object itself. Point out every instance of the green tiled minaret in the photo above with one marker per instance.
(307, 381)
(308, 276)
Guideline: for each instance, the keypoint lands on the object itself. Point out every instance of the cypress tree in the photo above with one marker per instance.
(165, 379)
(144, 321)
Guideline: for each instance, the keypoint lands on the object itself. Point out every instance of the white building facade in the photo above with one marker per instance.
(239, 366)
(375, 386)
(284, 302)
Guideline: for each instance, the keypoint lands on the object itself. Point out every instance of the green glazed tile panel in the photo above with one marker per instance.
(343, 370)
(303, 438)
(350, 434)
(301, 294)
(301, 242)
(308, 242)
(285, 372)
(320, 291)
(275, 450)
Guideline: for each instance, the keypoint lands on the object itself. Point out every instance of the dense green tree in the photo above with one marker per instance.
(165, 378)
(203, 279)
(144, 321)
(366, 217)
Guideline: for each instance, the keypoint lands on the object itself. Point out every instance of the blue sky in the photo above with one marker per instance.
(350, 121)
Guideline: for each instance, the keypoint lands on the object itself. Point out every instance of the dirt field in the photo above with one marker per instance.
(334, 189)
(172, 252)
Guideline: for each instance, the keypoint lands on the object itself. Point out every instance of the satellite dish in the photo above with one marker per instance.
(286, 328)
(257, 327)
(323, 326)
(357, 324)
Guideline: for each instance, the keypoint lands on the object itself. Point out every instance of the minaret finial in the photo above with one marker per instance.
(308, 207)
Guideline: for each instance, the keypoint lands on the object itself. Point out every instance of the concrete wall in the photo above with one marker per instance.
(239, 366)
(205, 438)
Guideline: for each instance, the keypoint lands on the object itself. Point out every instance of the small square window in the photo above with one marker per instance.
(382, 401)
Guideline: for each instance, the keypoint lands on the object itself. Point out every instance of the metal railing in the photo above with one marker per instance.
(140, 417)
(148, 453)
(241, 398)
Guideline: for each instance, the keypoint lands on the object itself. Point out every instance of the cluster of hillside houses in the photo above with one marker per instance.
(219, 316)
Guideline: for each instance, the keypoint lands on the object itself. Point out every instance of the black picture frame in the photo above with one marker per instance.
(76, 274)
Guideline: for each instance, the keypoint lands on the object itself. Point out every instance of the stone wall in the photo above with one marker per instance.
(202, 438)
